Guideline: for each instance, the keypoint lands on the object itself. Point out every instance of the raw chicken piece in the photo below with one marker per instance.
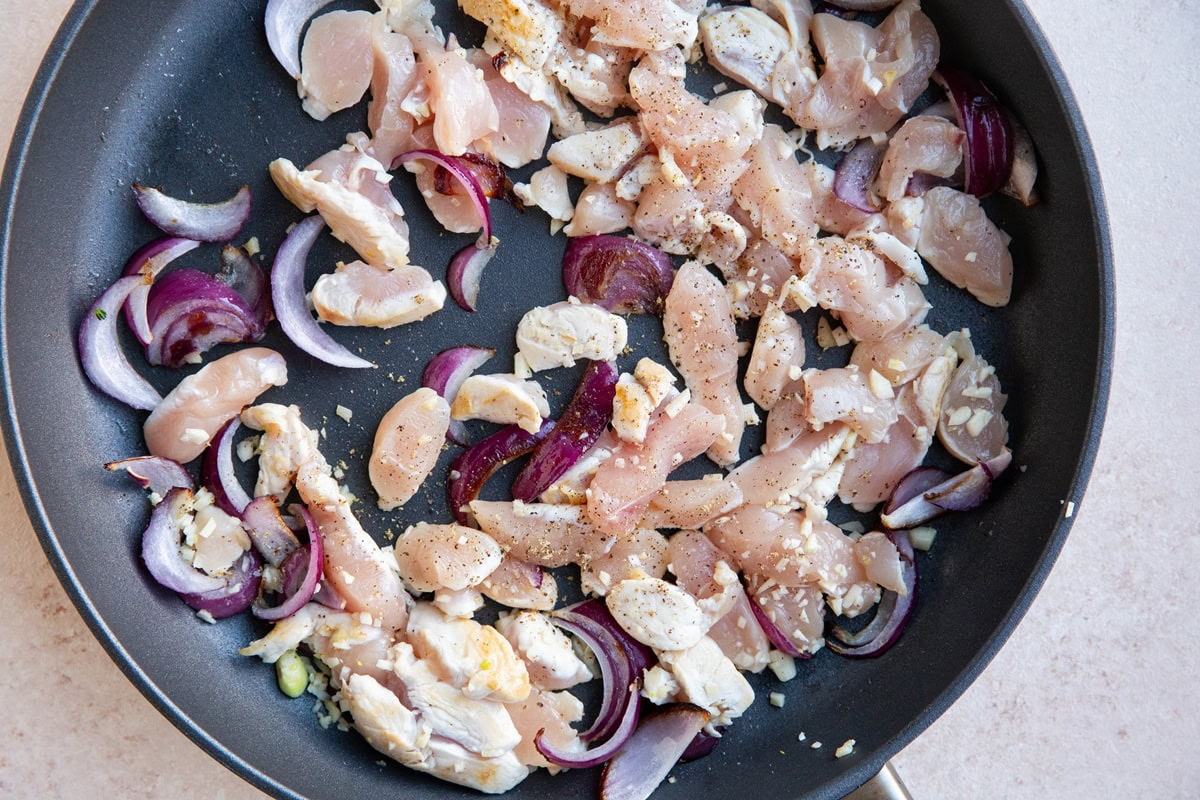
(972, 424)
(777, 357)
(875, 469)
(546, 650)
(745, 44)
(846, 395)
(355, 567)
(599, 210)
(699, 330)
(640, 554)
(775, 192)
(286, 444)
(926, 144)
(542, 88)
(662, 615)
(540, 533)
(788, 420)
(786, 478)
(523, 124)
(547, 189)
(797, 611)
(398, 733)
(881, 562)
(871, 76)
(709, 679)
(183, 424)
(756, 278)
(691, 504)
(647, 25)
(340, 639)
(600, 155)
(670, 215)
(454, 557)
(463, 110)
(459, 603)
(469, 656)
(700, 138)
(633, 408)
(518, 584)
(407, 445)
(479, 725)
(505, 399)
(559, 334)
(363, 295)
(393, 78)
(543, 712)
(624, 484)
(965, 247)
(336, 62)
(693, 561)
(350, 191)
(845, 277)
(900, 358)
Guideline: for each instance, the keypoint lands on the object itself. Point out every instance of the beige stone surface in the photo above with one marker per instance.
(1096, 694)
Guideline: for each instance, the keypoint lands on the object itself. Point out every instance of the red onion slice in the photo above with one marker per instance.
(466, 273)
(461, 172)
(919, 481)
(271, 536)
(299, 590)
(777, 637)
(641, 657)
(854, 173)
(595, 756)
(104, 361)
(291, 308)
(190, 312)
(623, 275)
(239, 593)
(579, 426)
(475, 465)
(159, 475)
(642, 764)
(242, 274)
(204, 222)
(891, 615)
(961, 492)
(160, 548)
(148, 261)
(285, 19)
(988, 146)
(216, 471)
(445, 374)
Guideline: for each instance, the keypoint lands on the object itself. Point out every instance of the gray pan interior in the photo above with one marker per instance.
(186, 95)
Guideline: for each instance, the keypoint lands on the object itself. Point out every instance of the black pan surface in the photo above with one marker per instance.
(186, 95)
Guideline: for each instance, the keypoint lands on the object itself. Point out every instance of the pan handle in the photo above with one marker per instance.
(884, 786)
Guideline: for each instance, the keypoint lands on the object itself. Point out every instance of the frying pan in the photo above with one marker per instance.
(187, 95)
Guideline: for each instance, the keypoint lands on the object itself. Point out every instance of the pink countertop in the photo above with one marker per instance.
(1097, 694)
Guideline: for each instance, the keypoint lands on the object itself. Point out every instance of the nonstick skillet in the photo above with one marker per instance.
(186, 95)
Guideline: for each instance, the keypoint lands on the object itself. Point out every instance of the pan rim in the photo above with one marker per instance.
(23, 134)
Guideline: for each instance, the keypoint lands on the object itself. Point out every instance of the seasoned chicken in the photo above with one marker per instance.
(557, 335)
(522, 125)
(639, 554)
(709, 679)
(785, 478)
(285, 445)
(547, 189)
(407, 445)
(432, 557)
(797, 611)
(472, 657)
(776, 194)
(923, 144)
(965, 247)
(972, 424)
(845, 395)
(599, 155)
(662, 615)
(505, 399)
(519, 584)
(692, 504)
(362, 295)
(546, 650)
(463, 110)
(647, 25)
(540, 533)
(217, 539)
(699, 330)
(777, 357)
(350, 190)
(600, 210)
(355, 567)
(183, 424)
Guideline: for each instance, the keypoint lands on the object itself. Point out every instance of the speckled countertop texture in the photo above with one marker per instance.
(1097, 694)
